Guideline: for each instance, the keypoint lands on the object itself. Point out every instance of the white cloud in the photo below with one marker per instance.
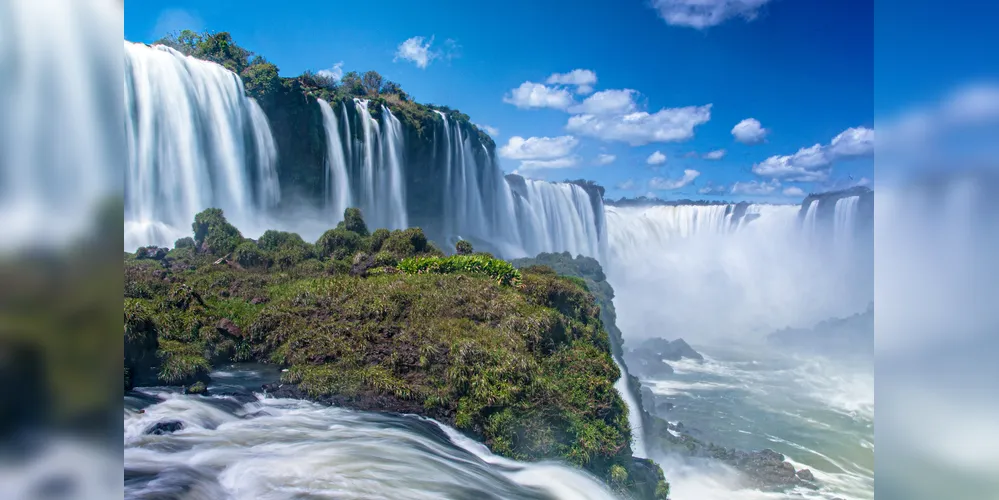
(536, 95)
(662, 184)
(749, 131)
(607, 102)
(807, 165)
(753, 188)
(972, 103)
(336, 72)
(712, 188)
(656, 158)
(639, 128)
(604, 159)
(492, 131)
(714, 155)
(628, 185)
(815, 163)
(855, 141)
(538, 148)
(793, 191)
(416, 51)
(701, 14)
(583, 79)
(569, 161)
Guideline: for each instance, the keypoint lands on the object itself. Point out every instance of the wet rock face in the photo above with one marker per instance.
(165, 427)
(649, 359)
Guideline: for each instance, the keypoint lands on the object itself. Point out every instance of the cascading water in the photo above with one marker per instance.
(283, 449)
(193, 138)
(393, 182)
(559, 217)
(808, 224)
(337, 189)
(844, 218)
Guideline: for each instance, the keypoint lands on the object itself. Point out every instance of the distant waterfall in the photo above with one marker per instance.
(365, 171)
(337, 190)
(195, 140)
(844, 218)
(559, 217)
(808, 225)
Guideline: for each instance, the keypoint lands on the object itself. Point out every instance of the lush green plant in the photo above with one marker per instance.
(618, 475)
(463, 247)
(378, 238)
(385, 259)
(353, 221)
(185, 242)
(499, 270)
(260, 78)
(214, 234)
(248, 254)
(274, 240)
(338, 243)
(406, 243)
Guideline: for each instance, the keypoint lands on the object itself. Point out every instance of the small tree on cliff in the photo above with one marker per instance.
(463, 247)
(372, 82)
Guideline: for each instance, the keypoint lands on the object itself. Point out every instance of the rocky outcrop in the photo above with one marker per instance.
(649, 358)
(852, 336)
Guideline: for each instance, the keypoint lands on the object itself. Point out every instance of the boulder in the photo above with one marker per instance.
(165, 427)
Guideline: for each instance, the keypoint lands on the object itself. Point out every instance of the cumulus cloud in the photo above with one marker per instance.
(807, 165)
(536, 95)
(663, 184)
(640, 127)
(566, 162)
(756, 188)
(628, 185)
(415, 51)
(713, 189)
(656, 158)
(582, 79)
(492, 131)
(813, 164)
(336, 72)
(702, 14)
(855, 141)
(607, 102)
(604, 159)
(749, 131)
(714, 155)
(793, 191)
(538, 148)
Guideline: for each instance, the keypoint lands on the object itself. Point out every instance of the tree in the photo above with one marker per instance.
(351, 82)
(372, 82)
(260, 78)
(390, 87)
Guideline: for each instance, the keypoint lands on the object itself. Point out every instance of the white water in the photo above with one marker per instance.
(60, 135)
(682, 271)
(559, 217)
(844, 219)
(192, 136)
(393, 183)
(338, 196)
(291, 449)
(808, 225)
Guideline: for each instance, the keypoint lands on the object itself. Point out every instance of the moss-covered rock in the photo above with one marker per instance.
(518, 359)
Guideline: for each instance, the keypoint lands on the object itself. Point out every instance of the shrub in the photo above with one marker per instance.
(213, 233)
(290, 256)
(185, 242)
(463, 247)
(618, 475)
(503, 272)
(385, 259)
(378, 238)
(249, 255)
(274, 240)
(406, 243)
(338, 243)
(353, 221)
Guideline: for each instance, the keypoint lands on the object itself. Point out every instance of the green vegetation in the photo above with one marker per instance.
(463, 247)
(384, 321)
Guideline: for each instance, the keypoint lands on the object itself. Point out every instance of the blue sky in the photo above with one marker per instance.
(668, 79)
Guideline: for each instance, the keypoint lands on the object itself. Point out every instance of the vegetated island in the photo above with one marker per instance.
(385, 321)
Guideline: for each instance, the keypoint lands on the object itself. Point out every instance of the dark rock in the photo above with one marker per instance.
(258, 300)
(649, 358)
(151, 253)
(197, 388)
(646, 476)
(361, 264)
(165, 427)
(806, 475)
(227, 327)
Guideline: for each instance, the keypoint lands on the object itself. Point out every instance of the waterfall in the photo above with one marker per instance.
(337, 178)
(369, 133)
(844, 218)
(808, 224)
(394, 180)
(557, 217)
(195, 141)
